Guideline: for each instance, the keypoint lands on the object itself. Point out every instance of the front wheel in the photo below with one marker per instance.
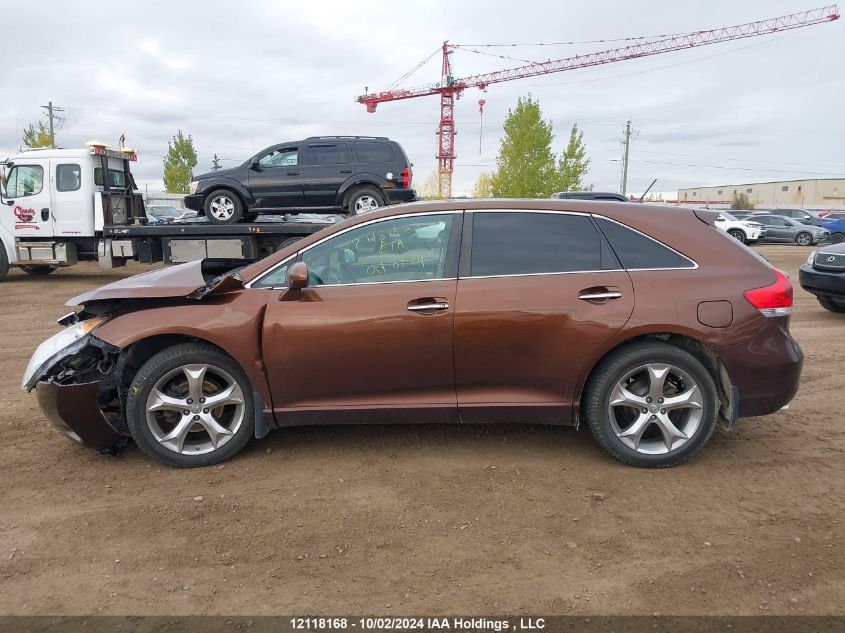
(223, 207)
(830, 304)
(651, 405)
(803, 239)
(38, 270)
(364, 200)
(737, 235)
(4, 262)
(190, 405)
(837, 238)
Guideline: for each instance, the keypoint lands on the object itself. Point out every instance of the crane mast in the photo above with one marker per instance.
(450, 89)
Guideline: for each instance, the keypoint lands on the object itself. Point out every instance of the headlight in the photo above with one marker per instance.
(193, 186)
(811, 258)
(56, 348)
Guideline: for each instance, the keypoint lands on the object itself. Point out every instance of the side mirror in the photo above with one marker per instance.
(298, 276)
(255, 165)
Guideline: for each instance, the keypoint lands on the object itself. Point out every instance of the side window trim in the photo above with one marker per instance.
(450, 266)
(656, 241)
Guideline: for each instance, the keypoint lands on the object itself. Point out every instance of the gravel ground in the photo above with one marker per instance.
(424, 519)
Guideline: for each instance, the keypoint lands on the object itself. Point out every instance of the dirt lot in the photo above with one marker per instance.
(424, 519)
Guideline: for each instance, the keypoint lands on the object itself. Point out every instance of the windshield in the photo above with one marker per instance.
(730, 217)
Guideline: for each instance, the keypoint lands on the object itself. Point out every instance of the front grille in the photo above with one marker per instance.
(824, 291)
(829, 261)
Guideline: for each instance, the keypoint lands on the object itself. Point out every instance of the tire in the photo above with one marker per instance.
(4, 262)
(223, 207)
(737, 234)
(191, 443)
(38, 270)
(804, 239)
(615, 425)
(364, 199)
(829, 304)
(837, 238)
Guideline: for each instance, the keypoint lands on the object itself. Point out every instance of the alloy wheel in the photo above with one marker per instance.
(804, 239)
(366, 203)
(655, 409)
(195, 409)
(222, 208)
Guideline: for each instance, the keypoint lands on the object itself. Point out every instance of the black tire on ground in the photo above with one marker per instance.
(364, 199)
(38, 270)
(4, 262)
(829, 304)
(156, 368)
(223, 207)
(804, 239)
(837, 238)
(738, 234)
(613, 368)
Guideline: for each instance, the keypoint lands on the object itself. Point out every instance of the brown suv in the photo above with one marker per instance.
(647, 323)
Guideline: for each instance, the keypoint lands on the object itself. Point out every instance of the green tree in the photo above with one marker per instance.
(483, 187)
(429, 188)
(215, 164)
(179, 163)
(573, 164)
(526, 164)
(37, 135)
(741, 202)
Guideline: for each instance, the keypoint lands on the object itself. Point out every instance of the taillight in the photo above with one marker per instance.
(773, 300)
(406, 177)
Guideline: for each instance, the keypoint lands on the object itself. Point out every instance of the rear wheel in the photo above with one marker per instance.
(830, 304)
(803, 239)
(363, 200)
(190, 405)
(223, 207)
(38, 270)
(651, 404)
(738, 235)
(837, 238)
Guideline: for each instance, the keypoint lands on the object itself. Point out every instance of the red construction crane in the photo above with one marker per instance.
(450, 88)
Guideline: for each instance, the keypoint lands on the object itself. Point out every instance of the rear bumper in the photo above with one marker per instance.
(193, 202)
(73, 410)
(821, 283)
(766, 369)
(396, 196)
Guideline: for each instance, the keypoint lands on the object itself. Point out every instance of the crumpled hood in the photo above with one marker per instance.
(193, 280)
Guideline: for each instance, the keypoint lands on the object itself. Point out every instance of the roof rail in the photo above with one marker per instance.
(375, 138)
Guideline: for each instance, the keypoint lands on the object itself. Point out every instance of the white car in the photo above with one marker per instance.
(746, 231)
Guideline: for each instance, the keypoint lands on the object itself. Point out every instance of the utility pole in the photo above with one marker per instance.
(52, 114)
(627, 144)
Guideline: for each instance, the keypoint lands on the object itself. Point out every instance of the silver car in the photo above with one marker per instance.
(781, 229)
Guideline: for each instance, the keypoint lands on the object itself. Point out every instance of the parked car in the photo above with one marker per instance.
(162, 213)
(353, 174)
(498, 311)
(804, 217)
(823, 274)
(832, 215)
(837, 230)
(746, 231)
(783, 229)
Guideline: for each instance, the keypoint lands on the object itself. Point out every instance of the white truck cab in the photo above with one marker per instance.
(51, 210)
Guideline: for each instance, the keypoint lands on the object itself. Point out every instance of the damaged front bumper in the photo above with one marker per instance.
(74, 411)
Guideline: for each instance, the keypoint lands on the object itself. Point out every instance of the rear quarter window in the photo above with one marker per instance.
(638, 251)
(374, 152)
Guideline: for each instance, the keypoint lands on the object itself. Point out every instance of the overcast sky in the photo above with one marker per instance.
(241, 76)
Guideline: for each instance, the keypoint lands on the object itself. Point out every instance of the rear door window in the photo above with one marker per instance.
(373, 152)
(526, 243)
(637, 251)
(68, 177)
(327, 154)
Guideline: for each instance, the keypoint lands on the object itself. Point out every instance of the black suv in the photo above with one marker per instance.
(327, 173)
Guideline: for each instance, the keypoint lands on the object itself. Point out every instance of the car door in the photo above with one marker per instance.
(779, 229)
(370, 338)
(538, 293)
(275, 179)
(28, 199)
(327, 166)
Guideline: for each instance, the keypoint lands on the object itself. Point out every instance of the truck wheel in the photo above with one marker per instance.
(4, 262)
(829, 304)
(223, 207)
(738, 235)
(38, 270)
(363, 200)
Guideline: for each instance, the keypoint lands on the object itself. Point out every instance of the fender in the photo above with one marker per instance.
(361, 178)
(207, 185)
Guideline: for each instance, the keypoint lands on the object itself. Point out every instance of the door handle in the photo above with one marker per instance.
(45, 215)
(428, 306)
(345, 171)
(599, 295)
(293, 173)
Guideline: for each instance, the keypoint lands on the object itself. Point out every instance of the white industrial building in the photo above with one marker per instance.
(821, 193)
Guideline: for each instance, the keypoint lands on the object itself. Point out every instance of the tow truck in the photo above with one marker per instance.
(62, 206)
